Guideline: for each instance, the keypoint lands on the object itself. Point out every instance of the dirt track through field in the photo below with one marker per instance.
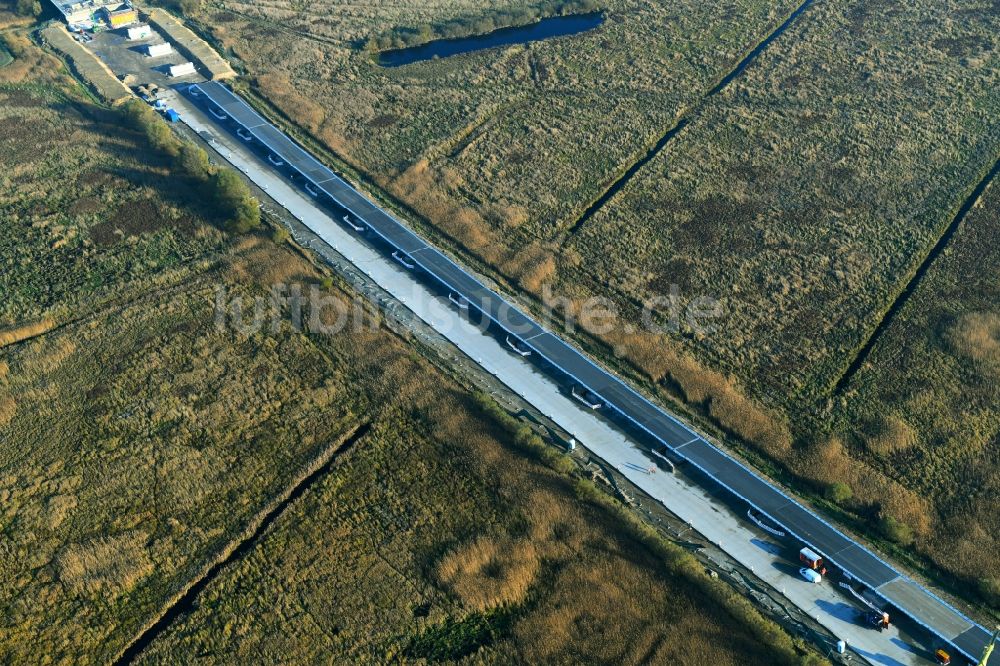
(740, 67)
(237, 550)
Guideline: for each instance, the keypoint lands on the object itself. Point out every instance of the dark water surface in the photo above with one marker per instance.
(555, 26)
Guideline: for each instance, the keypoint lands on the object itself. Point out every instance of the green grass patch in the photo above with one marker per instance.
(455, 639)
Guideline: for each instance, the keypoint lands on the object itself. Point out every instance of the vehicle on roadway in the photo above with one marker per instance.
(519, 347)
(311, 190)
(217, 112)
(461, 302)
(243, 134)
(357, 227)
(275, 160)
(810, 575)
(587, 397)
(942, 657)
(404, 259)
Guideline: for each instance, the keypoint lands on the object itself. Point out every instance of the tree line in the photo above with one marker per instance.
(227, 194)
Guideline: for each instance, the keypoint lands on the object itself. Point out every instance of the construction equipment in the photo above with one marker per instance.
(587, 397)
(877, 619)
(357, 227)
(404, 259)
(663, 461)
(519, 347)
(460, 301)
(874, 617)
(764, 526)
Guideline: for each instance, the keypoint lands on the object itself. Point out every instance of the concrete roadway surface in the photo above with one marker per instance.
(713, 519)
(847, 555)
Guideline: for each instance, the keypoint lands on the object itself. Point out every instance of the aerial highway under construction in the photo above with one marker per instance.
(593, 384)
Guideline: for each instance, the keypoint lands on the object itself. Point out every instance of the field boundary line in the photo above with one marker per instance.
(684, 118)
(889, 315)
(242, 545)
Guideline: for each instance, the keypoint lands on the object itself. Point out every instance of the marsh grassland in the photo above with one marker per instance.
(803, 196)
(141, 443)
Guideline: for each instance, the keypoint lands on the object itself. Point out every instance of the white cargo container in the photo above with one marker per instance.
(156, 50)
(135, 33)
(182, 69)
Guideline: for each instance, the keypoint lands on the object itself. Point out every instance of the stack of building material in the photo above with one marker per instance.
(137, 32)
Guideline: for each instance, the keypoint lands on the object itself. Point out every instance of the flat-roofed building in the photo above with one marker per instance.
(88, 14)
(121, 16)
(82, 13)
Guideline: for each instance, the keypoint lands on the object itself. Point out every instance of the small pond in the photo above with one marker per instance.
(555, 26)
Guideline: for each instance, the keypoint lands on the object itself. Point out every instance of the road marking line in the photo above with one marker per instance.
(678, 448)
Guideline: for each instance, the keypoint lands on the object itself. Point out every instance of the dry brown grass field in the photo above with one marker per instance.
(803, 197)
(139, 441)
(86, 214)
(499, 149)
(937, 371)
(435, 539)
(805, 194)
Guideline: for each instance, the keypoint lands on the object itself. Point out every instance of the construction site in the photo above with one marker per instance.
(815, 577)
(119, 50)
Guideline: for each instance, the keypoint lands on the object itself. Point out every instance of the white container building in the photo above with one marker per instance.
(135, 33)
(182, 69)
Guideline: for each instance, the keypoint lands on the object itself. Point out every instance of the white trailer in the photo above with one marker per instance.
(137, 32)
(587, 397)
(183, 69)
(157, 50)
(519, 347)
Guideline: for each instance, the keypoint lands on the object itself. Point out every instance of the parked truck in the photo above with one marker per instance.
(811, 559)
